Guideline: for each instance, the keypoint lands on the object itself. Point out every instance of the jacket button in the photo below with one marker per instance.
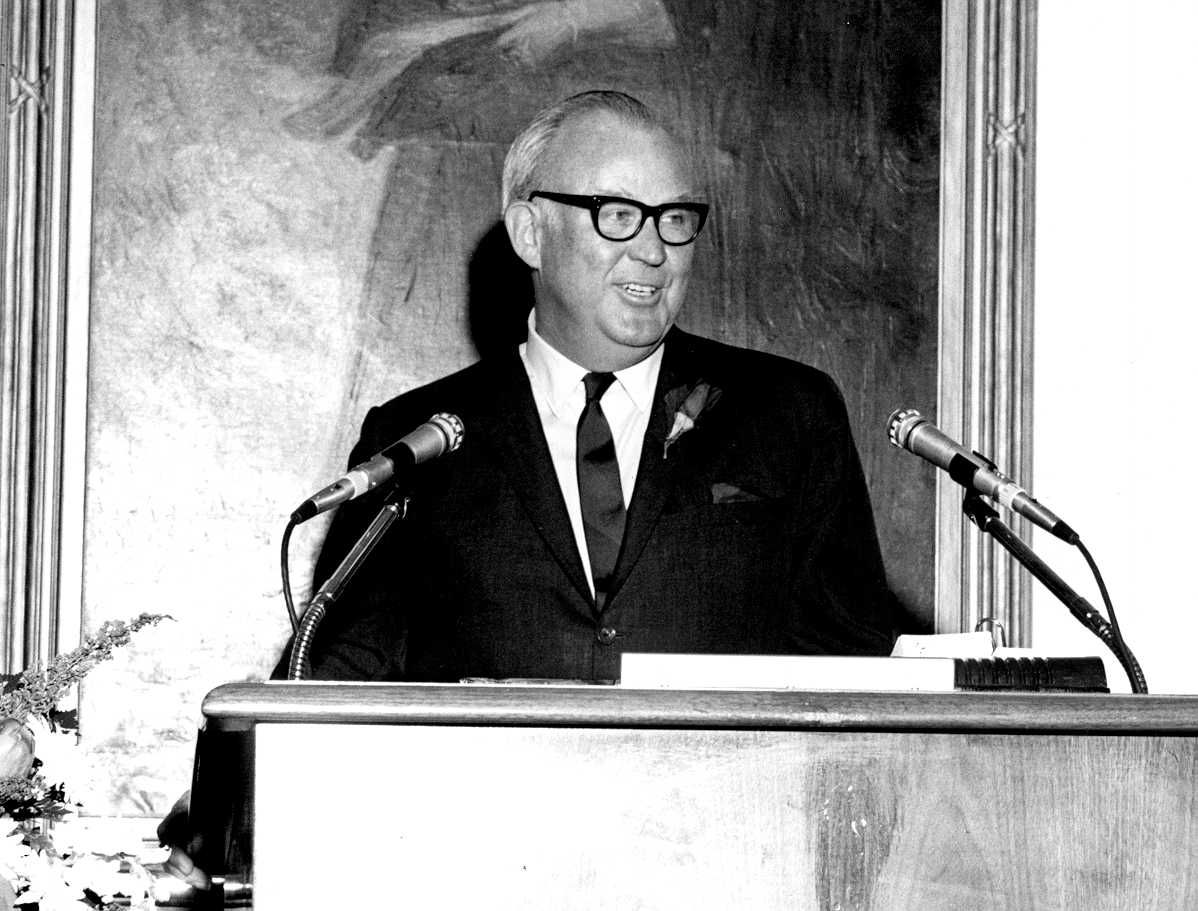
(606, 635)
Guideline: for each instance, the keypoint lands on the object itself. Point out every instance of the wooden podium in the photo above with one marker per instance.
(565, 797)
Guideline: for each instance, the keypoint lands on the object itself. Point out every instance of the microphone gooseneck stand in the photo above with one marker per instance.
(394, 507)
(986, 519)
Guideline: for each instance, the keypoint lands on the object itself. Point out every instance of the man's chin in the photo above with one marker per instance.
(640, 345)
(642, 330)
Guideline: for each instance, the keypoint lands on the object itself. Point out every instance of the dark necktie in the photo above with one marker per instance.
(599, 489)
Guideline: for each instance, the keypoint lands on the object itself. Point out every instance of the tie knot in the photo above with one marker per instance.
(596, 384)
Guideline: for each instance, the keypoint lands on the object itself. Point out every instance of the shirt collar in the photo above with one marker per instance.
(558, 377)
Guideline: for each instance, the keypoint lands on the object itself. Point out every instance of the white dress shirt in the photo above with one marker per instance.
(558, 392)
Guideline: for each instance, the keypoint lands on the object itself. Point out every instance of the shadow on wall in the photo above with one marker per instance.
(499, 294)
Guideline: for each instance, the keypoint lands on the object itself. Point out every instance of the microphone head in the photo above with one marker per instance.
(450, 425)
(900, 424)
(438, 435)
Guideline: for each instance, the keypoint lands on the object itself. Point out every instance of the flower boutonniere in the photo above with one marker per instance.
(694, 402)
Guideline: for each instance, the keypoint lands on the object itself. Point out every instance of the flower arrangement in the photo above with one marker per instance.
(36, 740)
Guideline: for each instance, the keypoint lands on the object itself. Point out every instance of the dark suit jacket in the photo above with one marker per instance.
(753, 535)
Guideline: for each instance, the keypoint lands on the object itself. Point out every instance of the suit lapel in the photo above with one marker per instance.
(656, 475)
(520, 444)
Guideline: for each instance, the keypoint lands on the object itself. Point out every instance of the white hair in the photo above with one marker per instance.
(521, 167)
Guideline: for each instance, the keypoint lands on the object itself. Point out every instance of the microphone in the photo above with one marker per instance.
(910, 430)
(438, 435)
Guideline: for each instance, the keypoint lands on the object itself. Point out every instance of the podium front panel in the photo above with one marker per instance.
(469, 815)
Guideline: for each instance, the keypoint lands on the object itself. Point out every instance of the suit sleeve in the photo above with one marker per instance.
(840, 601)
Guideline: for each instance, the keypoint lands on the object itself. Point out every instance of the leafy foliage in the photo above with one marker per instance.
(37, 691)
(34, 873)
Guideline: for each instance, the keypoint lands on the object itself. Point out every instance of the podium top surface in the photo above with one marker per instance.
(237, 706)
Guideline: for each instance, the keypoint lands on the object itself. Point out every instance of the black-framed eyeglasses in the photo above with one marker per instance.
(616, 218)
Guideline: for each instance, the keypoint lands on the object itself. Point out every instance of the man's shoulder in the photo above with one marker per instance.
(464, 389)
(479, 391)
(757, 373)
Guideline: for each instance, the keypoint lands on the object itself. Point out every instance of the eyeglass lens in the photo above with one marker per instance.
(620, 220)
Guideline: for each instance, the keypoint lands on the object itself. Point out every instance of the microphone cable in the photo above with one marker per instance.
(287, 596)
(1130, 665)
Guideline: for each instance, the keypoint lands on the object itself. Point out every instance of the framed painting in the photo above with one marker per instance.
(282, 213)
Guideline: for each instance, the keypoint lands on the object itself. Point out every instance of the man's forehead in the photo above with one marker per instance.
(601, 143)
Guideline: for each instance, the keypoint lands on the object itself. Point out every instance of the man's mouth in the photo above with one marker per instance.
(639, 291)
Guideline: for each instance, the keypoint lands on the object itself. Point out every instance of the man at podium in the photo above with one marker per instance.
(622, 485)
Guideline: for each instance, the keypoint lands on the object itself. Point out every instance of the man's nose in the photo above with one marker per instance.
(647, 246)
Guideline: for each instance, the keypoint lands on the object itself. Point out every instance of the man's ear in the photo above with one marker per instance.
(521, 221)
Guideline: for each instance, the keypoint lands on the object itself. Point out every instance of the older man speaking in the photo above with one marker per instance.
(623, 486)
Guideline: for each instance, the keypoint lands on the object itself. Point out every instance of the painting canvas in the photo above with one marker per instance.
(296, 216)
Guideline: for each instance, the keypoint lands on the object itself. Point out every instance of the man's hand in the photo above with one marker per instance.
(175, 833)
